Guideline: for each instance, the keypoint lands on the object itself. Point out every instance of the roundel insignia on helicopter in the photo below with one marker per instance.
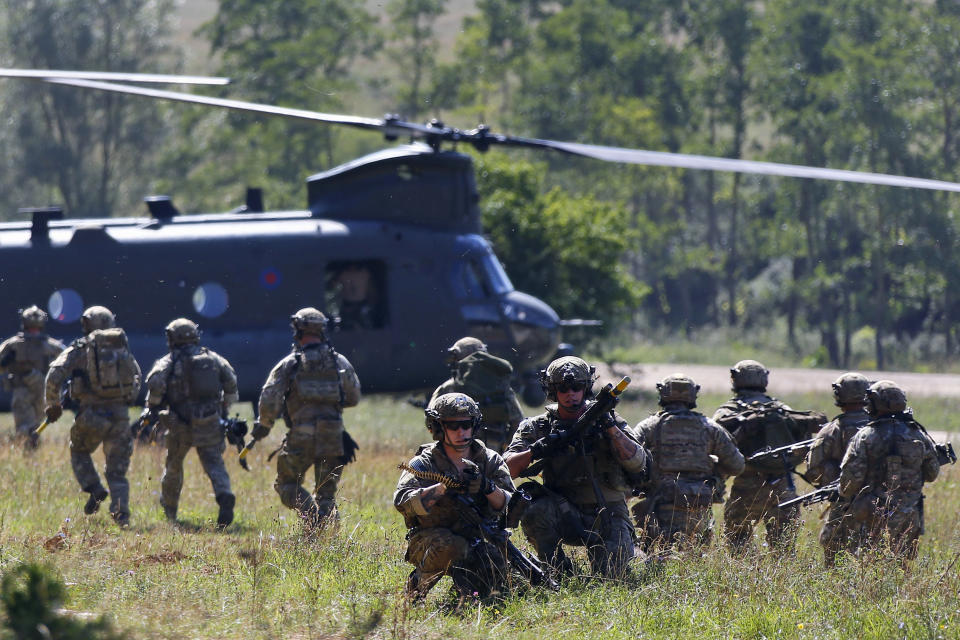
(270, 278)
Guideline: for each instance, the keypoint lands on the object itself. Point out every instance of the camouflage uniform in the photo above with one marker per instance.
(757, 492)
(24, 360)
(309, 388)
(501, 411)
(100, 418)
(440, 541)
(882, 474)
(565, 509)
(691, 457)
(195, 387)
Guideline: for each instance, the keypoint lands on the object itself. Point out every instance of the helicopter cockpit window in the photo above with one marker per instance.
(65, 305)
(470, 280)
(210, 300)
(496, 276)
(356, 292)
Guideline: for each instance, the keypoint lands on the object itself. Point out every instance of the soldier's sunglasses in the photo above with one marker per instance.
(455, 425)
(564, 387)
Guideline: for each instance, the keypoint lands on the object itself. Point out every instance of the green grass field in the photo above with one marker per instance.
(263, 579)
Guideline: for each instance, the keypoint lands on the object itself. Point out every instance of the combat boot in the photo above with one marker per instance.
(97, 495)
(226, 502)
(122, 518)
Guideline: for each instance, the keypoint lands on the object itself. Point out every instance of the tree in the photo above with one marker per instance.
(93, 152)
(414, 49)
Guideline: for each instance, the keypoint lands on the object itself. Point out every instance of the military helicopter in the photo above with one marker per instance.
(405, 275)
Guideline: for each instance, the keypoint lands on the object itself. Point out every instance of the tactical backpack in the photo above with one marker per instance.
(111, 369)
(317, 377)
(486, 379)
(201, 379)
(762, 425)
(684, 467)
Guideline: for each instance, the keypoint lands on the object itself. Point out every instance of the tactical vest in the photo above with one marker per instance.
(317, 378)
(201, 377)
(681, 445)
(850, 424)
(486, 379)
(569, 473)
(111, 370)
(29, 354)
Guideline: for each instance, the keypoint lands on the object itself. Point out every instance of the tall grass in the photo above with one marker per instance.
(263, 579)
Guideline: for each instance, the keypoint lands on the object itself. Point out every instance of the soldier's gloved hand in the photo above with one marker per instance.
(259, 431)
(606, 421)
(545, 446)
(54, 412)
(476, 481)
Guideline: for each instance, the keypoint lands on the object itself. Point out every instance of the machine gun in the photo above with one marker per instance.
(234, 429)
(496, 535)
(784, 454)
(829, 492)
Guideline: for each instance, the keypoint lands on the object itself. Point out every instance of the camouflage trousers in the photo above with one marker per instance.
(108, 425)
(476, 566)
(552, 521)
(26, 404)
(305, 446)
(667, 524)
(840, 532)
(754, 499)
(179, 441)
(896, 523)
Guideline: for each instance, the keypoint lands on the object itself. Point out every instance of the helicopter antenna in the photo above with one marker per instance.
(482, 138)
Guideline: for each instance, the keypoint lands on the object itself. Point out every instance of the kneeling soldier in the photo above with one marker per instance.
(189, 390)
(440, 540)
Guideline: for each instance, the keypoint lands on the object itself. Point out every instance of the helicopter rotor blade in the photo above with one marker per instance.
(482, 138)
(34, 74)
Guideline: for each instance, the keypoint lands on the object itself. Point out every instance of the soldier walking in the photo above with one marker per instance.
(189, 390)
(582, 498)
(440, 540)
(823, 462)
(758, 421)
(24, 361)
(309, 389)
(485, 378)
(103, 379)
(691, 458)
(884, 470)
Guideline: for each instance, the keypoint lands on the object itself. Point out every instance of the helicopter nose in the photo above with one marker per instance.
(535, 326)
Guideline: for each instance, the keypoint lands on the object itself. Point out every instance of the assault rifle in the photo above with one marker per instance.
(784, 455)
(606, 400)
(496, 535)
(234, 429)
(143, 428)
(829, 492)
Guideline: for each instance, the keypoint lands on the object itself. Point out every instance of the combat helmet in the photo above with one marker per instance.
(566, 371)
(678, 388)
(33, 317)
(182, 331)
(450, 407)
(463, 348)
(749, 374)
(96, 317)
(885, 397)
(850, 388)
(309, 321)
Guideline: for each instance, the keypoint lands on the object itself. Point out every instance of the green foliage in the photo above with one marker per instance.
(86, 150)
(414, 50)
(566, 249)
(31, 595)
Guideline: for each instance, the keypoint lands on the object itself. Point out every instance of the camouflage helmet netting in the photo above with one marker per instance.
(309, 320)
(850, 388)
(97, 317)
(182, 331)
(678, 388)
(749, 374)
(886, 397)
(33, 317)
(450, 406)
